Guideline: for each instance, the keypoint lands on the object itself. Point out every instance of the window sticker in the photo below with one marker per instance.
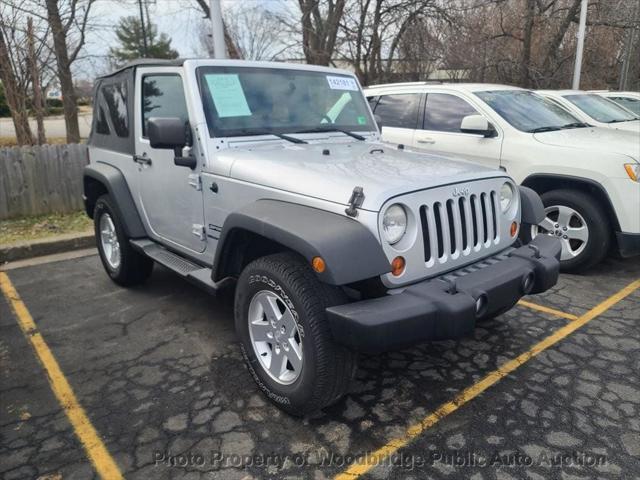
(342, 83)
(227, 94)
(362, 120)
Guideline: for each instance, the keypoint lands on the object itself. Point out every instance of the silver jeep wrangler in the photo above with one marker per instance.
(271, 179)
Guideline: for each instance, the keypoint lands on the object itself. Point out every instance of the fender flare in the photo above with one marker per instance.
(531, 206)
(350, 251)
(116, 185)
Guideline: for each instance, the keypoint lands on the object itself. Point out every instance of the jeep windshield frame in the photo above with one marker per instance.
(248, 101)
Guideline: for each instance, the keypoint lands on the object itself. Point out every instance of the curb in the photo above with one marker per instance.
(48, 246)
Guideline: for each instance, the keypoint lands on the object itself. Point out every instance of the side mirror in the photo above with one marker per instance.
(171, 133)
(378, 120)
(478, 125)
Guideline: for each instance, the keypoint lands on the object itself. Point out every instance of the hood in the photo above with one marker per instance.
(631, 126)
(380, 169)
(601, 140)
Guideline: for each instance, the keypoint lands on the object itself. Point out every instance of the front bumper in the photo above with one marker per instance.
(445, 307)
(628, 244)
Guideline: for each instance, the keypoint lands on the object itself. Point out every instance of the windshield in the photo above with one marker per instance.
(600, 108)
(629, 103)
(527, 111)
(257, 101)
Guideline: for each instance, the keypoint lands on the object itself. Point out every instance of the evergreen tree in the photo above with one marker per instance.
(132, 42)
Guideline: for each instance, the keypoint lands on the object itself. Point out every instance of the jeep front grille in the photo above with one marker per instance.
(450, 227)
(458, 226)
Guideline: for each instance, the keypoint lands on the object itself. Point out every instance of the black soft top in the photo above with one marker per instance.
(147, 62)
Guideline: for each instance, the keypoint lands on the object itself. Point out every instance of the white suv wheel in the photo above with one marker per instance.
(566, 224)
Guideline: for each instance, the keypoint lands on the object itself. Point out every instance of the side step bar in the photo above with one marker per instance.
(196, 274)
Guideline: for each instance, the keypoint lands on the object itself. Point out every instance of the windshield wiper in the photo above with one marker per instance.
(576, 125)
(332, 129)
(267, 132)
(544, 129)
(618, 120)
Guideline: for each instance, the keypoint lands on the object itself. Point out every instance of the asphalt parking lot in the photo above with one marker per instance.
(551, 389)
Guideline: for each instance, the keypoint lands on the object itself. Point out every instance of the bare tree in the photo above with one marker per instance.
(13, 72)
(232, 49)
(68, 19)
(320, 22)
(34, 71)
(15, 99)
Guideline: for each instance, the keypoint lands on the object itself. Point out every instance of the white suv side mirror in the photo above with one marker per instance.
(477, 124)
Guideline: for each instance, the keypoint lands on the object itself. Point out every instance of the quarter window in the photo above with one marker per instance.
(102, 127)
(162, 96)
(115, 96)
(444, 112)
(399, 110)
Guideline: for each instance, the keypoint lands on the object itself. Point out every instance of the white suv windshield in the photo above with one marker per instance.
(529, 112)
(601, 109)
(257, 101)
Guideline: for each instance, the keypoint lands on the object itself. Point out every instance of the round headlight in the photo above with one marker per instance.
(506, 196)
(394, 223)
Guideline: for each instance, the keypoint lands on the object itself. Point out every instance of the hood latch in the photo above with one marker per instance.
(356, 200)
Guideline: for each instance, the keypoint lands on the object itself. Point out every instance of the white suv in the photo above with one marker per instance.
(587, 177)
(594, 109)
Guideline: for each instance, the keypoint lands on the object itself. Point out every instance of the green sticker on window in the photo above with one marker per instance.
(362, 120)
(227, 94)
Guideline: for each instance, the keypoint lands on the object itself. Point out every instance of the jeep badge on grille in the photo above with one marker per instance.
(460, 192)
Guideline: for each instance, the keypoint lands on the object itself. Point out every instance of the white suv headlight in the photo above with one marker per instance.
(506, 196)
(394, 223)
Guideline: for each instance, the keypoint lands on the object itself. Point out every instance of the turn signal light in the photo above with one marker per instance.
(318, 264)
(397, 266)
(514, 229)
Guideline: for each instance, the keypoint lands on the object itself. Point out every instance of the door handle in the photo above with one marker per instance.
(429, 141)
(142, 159)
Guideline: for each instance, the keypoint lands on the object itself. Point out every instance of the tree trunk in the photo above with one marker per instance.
(319, 34)
(15, 100)
(525, 62)
(556, 41)
(35, 83)
(64, 72)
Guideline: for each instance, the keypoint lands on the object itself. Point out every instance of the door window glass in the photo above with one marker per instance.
(444, 112)
(162, 96)
(399, 110)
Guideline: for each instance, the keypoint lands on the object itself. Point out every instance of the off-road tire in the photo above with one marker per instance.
(134, 266)
(327, 367)
(599, 241)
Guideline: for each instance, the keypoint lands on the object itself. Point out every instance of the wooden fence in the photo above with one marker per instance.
(42, 179)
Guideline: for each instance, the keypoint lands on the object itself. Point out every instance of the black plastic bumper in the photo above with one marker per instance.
(440, 309)
(628, 244)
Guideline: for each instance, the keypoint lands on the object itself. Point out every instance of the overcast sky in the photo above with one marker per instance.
(180, 19)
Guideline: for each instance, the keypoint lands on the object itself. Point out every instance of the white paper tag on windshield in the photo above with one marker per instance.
(228, 95)
(342, 83)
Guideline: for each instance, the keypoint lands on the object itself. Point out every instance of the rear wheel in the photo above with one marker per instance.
(581, 225)
(122, 263)
(286, 342)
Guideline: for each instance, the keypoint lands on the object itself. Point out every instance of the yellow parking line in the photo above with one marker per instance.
(378, 457)
(95, 448)
(551, 311)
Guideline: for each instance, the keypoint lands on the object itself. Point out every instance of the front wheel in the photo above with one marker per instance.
(286, 342)
(580, 223)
